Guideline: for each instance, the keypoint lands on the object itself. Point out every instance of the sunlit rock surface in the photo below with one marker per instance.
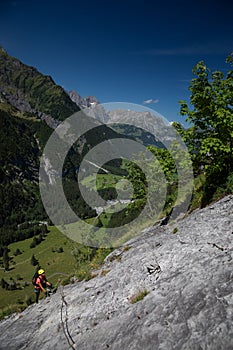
(186, 268)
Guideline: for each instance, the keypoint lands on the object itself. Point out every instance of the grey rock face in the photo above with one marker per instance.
(90, 105)
(88, 101)
(186, 268)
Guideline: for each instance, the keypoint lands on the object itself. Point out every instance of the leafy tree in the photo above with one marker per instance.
(1, 250)
(44, 229)
(3, 283)
(6, 259)
(162, 174)
(211, 136)
(83, 254)
(34, 243)
(12, 284)
(34, 261)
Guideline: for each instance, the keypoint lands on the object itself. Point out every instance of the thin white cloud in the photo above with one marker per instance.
(150, 101)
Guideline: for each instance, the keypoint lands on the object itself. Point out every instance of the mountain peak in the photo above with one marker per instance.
(83, 102)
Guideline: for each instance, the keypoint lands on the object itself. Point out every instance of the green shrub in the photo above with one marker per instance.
(85, 273)
(229, 183)
(60, 250)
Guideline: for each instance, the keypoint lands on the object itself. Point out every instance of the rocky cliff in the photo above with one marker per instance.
(184, 270)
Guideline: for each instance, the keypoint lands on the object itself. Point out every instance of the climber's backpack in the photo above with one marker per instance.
(34, 278)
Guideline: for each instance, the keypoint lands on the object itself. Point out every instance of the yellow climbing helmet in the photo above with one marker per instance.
(40, 272)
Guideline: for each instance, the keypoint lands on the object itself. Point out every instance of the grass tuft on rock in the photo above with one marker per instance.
(138, 296)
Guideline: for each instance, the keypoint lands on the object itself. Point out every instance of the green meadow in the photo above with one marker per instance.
(101, 181)
(58, 265)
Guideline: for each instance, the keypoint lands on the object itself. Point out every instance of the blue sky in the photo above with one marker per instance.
(120, 51)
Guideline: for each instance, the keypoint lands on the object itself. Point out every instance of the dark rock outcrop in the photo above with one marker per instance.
(186, 270)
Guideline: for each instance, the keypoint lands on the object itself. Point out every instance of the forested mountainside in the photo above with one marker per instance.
(30, 91)
(31, 106)
(19, 159)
